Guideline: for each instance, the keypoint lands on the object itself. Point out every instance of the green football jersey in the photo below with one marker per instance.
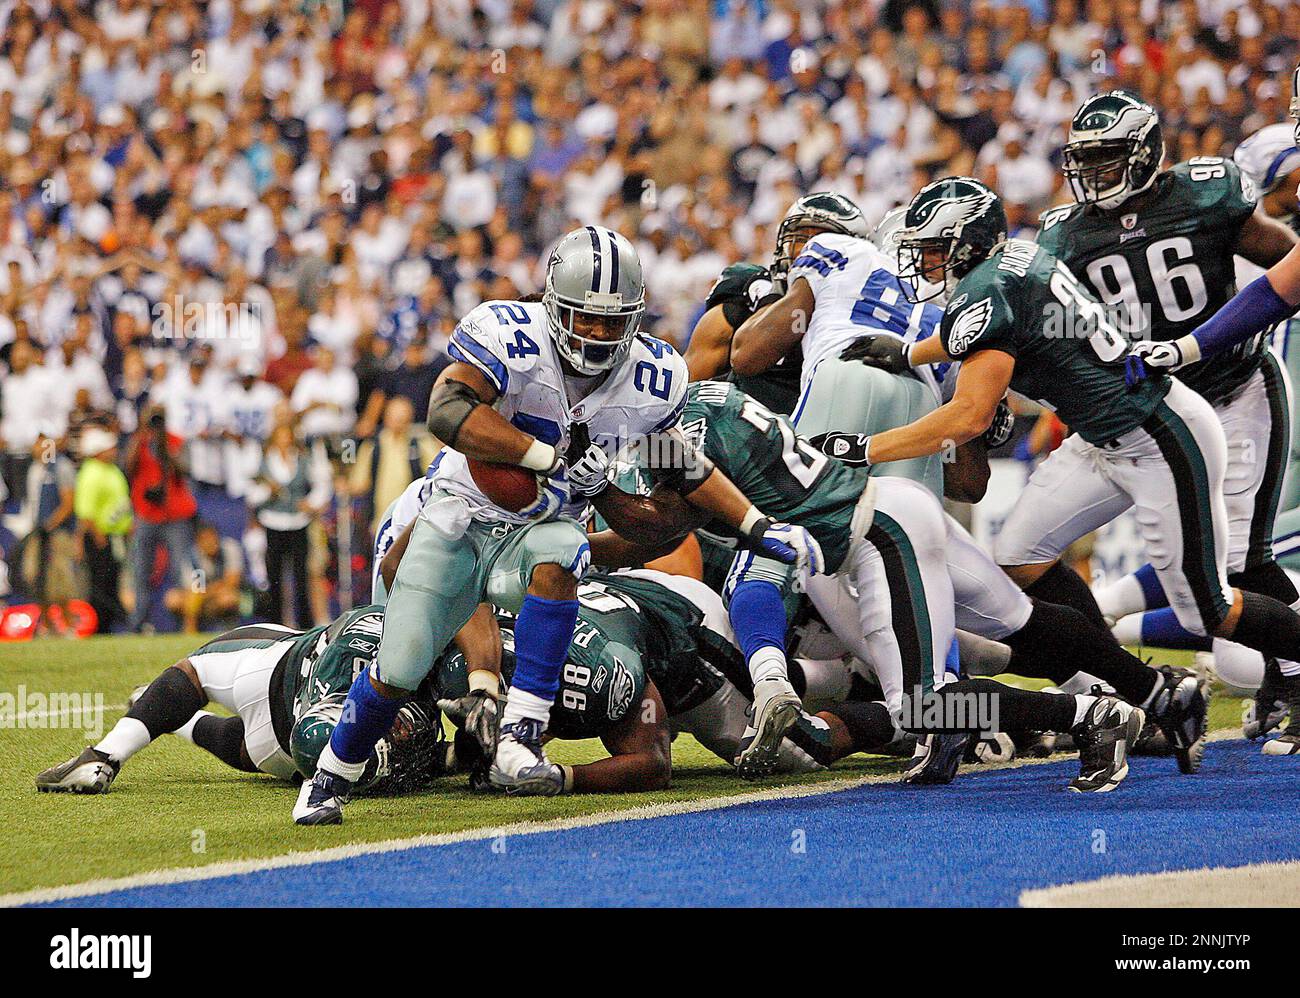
(1024, 302)
(628, 628)
(325, 660)
(780, 472)
(1165, 265)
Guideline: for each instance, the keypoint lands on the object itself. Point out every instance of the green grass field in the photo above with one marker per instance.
(174, 805)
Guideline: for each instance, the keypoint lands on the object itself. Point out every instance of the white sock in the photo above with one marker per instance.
(1128, 630)
(1121, 598)
(766, 663)
(350, 771)
(127, 738)
(186, 730)
(826, 680)
(1083, 682)
(522, 704)
(1082, 704)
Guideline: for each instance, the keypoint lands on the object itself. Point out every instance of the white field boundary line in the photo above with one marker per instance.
(1250, 886)
(229, 868)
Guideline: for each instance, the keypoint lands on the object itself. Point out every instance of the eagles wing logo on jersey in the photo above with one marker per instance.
(621, 687)
(969, 326)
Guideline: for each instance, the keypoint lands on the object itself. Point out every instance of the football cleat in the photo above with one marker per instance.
(91, 772)
(1180, 707)
(321, 799)
(1269, 708)
(1103, 737)
(521, 767)
(776, 708)
(991, 749)
(1151, 741)
(936, 759)
(1036, 744)
(1287, 743)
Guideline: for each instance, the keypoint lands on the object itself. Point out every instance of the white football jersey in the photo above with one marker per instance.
(509, 343)
(857, 293)
(406, 507)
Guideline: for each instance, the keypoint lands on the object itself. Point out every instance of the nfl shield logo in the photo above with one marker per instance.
(1128, 221)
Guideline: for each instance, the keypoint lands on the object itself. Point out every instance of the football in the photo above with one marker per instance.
(508, 485)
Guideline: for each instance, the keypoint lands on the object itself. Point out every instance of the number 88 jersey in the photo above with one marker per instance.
(508, 342)
(857, 293)
(1164, 260)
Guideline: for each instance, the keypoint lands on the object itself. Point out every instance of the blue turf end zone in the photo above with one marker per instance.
(980, 841)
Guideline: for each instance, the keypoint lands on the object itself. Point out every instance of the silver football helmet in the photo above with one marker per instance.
(594, 298)
(1295, 102)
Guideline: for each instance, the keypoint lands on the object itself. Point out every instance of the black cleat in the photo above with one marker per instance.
(1270, 706)
(91, 772)
(1180, 707)
(936, 759)
(1103, 737)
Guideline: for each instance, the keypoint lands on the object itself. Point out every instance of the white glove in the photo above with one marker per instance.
(589, 474)
(552, 496)
(792, 545)
(1168, 356)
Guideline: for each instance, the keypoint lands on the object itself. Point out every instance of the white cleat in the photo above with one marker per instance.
(776, 708)
(321, 799)
(520, 766)
(91, 772)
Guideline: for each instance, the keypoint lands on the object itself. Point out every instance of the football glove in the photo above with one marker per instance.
(882, 350)
(1167, 356)
(789, 544)
(476, 714)
(553, 495)
(1003, 425)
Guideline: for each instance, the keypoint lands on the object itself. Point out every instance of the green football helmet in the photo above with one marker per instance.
(951, 226)
(311, 733)
(821, 211)
(1114, 150)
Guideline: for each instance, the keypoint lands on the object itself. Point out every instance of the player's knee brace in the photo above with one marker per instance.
(224, 738)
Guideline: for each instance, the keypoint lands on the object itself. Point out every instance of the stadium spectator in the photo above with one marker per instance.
(102, 503)
(49, 502)
(292, 487)
(164, 510)
(212, 597)
(390, 460)
(325, 397)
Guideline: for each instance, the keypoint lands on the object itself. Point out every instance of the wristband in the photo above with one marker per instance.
(752, 517)
(568, 779)
(1189, 349)
(538, 457)
(482, 679)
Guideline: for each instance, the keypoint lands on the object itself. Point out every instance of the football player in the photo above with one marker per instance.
(1019, 318)
(652, 655)
(887, 541)
(287, 690)
(524, 376)
(838, 285)
(1157, 247)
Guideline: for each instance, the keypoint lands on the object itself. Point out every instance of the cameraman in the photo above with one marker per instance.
(164, 510)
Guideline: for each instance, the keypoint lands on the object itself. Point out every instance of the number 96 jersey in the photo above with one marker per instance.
(857, 293)
(508, 342)
(1165, 267)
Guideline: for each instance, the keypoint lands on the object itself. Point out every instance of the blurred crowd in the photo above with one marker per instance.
(235, 234)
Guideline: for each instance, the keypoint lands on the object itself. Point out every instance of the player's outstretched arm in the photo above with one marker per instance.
(1264, 241)
(708, 354)
(981, 384)
(640, 752)
(770, 333)
(1262, 303)
(461, 416)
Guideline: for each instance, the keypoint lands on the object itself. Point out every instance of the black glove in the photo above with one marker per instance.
(882, 350)
(477, 715)
(1000, 430)
(739, 289)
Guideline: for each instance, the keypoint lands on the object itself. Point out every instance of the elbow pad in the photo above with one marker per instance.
(449, 406)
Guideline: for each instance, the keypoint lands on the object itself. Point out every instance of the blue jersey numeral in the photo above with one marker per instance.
(657, 381)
